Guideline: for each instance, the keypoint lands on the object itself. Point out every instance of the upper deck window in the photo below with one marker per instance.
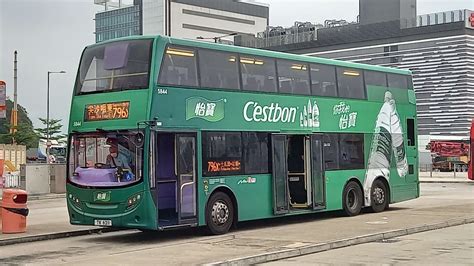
(179, 67)
(323, 80)
(218, 70)
(373, 78)
(121, 65)
(397, 81)
(293, 77)
(350, 83)
(258, 73)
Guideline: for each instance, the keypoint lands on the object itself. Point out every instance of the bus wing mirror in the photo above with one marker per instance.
(140, 139)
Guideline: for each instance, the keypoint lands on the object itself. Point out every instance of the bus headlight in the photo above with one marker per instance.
(75, 200)
(133, 200)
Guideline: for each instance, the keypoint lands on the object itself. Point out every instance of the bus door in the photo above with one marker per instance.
(317, 172)
(186, 173)
(280, 173)
(176, 179)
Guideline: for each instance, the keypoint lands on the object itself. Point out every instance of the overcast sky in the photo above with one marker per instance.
(50, 35)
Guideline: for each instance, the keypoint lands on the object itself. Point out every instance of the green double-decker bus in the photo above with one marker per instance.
(168, 133)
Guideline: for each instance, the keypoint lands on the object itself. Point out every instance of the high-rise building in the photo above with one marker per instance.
(117, 20)
(212, 20)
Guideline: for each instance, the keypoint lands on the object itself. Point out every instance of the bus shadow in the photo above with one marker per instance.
(202, 234)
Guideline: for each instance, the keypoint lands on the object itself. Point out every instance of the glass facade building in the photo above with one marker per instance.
(117, 23)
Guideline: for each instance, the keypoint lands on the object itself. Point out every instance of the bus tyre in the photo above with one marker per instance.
(219, 213)
(352, 199)
(379, 196)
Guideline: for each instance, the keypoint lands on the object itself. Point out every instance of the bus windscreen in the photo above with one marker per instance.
(121, 65)
(105, 160)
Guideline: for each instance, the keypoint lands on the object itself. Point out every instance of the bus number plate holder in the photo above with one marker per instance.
(103, 222)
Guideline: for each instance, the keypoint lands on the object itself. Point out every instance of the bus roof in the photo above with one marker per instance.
(262, 52)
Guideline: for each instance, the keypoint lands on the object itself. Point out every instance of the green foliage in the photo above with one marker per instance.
(54, 130)
(25, 134)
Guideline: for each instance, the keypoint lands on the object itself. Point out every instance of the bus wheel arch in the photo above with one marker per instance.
(221, 200)
(352, 197)
(380, 194)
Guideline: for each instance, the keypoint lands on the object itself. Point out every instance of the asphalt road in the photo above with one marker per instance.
(439, 203)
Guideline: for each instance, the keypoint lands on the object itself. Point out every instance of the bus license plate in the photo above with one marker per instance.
(103, 222)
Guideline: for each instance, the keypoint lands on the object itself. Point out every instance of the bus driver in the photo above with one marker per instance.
(116, 159)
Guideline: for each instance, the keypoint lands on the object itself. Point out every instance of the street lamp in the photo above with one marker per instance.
(218, 37)
(48, 144)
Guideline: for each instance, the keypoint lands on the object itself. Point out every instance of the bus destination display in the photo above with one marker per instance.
(106, 111)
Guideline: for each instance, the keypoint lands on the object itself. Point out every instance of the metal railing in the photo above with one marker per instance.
(458, 170)
(11, 180)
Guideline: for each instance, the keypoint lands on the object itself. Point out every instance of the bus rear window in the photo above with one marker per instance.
(121, 65)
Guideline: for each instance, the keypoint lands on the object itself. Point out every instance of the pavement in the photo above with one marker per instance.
(446, 246)
(48, 219)
(444, 177)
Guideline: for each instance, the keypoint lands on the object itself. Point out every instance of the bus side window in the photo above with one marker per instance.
(293, 77)
(258, 73)
(179, 67)
(218, 70)
(323, 80)
(373, 78)
(331, 151)
(410, 83)
(350, 83)
(397, 81)
(351, 151)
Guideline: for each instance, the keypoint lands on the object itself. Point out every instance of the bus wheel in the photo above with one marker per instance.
(219, 213)
(352, 199)
(379, 196)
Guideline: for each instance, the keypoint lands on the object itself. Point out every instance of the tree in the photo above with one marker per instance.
(54, 130)
(25, 134)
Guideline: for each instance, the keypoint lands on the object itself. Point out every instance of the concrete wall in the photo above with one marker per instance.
(190, 22)
(153, 17)
(58, 178)
(377, 11)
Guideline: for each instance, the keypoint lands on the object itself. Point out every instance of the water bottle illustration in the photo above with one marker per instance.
(381, 148)
(315, 115)
(387, 138)
(398, 146)
(309, 117)
(310, 114)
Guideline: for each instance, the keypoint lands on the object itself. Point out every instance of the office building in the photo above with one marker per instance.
(209, 20)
